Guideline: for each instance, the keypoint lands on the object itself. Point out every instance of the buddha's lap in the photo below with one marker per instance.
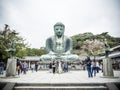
(51, 56)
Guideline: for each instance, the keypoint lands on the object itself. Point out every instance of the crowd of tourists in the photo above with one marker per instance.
(22, 67)
(58, 67)
(92, 67)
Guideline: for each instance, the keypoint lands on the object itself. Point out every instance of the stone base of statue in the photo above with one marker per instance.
(107, 68)
(69, 57)
(11, 67)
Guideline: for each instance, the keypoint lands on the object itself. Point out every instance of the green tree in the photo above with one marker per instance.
(79, 42)
(6, 35)
(35, 51)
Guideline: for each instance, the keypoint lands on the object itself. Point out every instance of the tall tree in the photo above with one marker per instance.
(6, 37)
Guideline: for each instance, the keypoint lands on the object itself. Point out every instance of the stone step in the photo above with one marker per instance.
(60, 84)
(60, 88)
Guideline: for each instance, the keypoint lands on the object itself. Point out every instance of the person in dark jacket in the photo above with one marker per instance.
(2, 65)
(88, 66)
(53, 67)
(18, 67)
(36, 67)
(50, 67)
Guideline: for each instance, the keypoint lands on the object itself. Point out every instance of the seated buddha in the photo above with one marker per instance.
(59, 45)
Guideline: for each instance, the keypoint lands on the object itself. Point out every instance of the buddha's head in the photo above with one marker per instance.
(59, 29)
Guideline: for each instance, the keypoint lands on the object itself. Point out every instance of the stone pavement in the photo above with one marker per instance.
(69, 77)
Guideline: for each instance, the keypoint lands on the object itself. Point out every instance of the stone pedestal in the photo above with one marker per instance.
(107, 68)
(11, 67)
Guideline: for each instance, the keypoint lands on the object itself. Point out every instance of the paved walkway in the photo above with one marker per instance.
(69, 77)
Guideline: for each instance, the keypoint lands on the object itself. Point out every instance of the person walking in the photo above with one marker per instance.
(59, 67)
(66, 67)
(50, 67)
(88, 66)
(18, 67)
(2, 65)
(36, 67)
(21, 67)
(97, 67)
(53, 67)
(93, 67)
(25, 66)
(32, 67)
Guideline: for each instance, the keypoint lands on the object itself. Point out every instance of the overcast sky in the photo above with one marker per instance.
(34, 19)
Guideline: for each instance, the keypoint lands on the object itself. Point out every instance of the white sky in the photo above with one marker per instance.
(34, 19)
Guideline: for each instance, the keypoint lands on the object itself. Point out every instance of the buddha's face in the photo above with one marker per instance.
(59, 30)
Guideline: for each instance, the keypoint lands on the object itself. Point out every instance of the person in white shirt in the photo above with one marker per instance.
(32, 67)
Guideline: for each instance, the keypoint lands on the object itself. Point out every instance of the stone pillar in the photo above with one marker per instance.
(11, 67)
(107, 67)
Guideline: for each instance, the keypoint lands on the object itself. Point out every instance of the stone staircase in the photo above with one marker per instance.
(60, 86)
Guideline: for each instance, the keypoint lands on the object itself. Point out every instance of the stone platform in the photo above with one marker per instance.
(72, 80)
